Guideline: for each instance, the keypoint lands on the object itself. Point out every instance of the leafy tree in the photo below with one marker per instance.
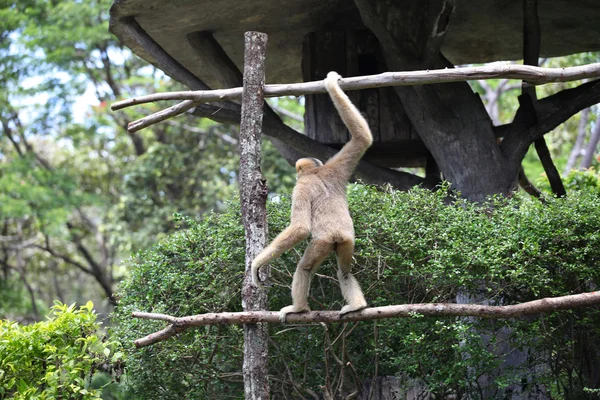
(55, 358)
(79, 193)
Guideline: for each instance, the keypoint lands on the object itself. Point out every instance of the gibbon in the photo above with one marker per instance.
(320, 208)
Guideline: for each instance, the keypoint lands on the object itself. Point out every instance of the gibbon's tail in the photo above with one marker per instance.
(352, 118)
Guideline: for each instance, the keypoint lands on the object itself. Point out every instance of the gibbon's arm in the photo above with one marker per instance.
(346, 160)
(297, 231)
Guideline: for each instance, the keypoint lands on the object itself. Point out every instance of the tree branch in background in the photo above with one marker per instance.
(178, 324)
(160, 116)
(527, 186)
(591, 147)
(65, 258)
(578, 146)
(551, 111)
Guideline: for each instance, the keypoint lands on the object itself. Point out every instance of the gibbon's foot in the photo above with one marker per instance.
(348, 308)
(290, 310)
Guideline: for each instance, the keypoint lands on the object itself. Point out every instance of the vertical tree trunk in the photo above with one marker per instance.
(581, 133)
(253, 196)
(591, 147)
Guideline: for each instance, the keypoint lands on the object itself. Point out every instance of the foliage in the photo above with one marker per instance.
(588, 179)
(410, 247)
(56, 358)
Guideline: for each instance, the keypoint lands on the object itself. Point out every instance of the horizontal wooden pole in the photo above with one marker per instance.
(530, 74)
(177, 324)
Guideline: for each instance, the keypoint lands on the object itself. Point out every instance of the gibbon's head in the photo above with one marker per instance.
(308, 164)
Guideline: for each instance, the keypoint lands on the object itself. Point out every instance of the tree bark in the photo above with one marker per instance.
(253, 196)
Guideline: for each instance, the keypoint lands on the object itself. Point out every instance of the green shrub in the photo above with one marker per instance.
(54, 359)
(410, 248)
(576, 180)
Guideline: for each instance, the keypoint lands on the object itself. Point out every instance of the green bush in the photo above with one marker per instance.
(576, 180)
(410, 248)
(54, 359)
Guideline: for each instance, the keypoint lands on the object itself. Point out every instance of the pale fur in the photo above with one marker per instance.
(320, 208)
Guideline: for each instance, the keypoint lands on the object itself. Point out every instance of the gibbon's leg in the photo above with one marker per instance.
(355, 300)
(287, 239)
(314, 255)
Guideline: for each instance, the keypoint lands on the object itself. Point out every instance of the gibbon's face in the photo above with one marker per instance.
(304, 165)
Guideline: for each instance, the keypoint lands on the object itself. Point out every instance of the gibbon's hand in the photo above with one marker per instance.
(332, 80)
(258, 262)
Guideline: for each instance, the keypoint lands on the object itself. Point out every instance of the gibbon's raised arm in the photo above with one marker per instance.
(346, 160)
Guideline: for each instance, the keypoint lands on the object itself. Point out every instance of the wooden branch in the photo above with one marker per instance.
(177, 324)
(159, 116)
(533, 75)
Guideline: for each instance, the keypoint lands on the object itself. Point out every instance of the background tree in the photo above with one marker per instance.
(78, 192)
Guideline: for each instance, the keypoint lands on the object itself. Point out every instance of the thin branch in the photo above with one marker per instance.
(160, 116)
(396, 311)
(591, 147)
(66, 259)
(576, 152)
(533, 75)
(289, 114)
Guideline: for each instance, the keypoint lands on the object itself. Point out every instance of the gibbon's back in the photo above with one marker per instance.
(329, 207)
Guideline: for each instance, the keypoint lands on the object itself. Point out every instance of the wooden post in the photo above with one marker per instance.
(253, 197)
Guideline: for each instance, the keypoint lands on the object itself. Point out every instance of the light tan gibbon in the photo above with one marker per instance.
(320, 208)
